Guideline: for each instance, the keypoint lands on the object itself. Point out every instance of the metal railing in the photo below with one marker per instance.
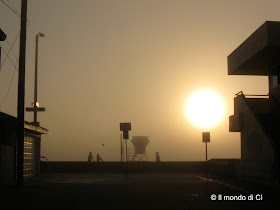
(255, 95)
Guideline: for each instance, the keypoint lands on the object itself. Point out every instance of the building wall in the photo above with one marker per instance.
(259, 105)
(31, 155)
(258, 156)
(7, 156)
(8, 140)
(275, 93)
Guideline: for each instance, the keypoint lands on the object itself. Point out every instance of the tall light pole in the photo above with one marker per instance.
(35, 107)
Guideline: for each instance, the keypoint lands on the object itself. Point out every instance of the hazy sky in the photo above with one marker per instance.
(105, 62)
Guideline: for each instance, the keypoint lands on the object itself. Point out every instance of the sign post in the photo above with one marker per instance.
(206, 138)
(35, 109)
(125, 127)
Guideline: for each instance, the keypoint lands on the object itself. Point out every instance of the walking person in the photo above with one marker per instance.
(90, 158)
(157, 157)
(99, 159)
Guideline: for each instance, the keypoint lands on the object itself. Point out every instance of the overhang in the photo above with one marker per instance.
(259, 53)
(12, 121)
(31, 127)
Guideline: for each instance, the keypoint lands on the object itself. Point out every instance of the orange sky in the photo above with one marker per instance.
(105, 62)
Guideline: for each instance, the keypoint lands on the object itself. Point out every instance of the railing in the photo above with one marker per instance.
(255, 95)
(269, 95)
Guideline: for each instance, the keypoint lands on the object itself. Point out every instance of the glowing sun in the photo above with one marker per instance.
(204, 108)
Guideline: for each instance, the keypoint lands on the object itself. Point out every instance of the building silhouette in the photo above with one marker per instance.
(8, 149)
(257, 117)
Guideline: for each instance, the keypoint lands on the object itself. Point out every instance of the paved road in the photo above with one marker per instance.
(135, 191)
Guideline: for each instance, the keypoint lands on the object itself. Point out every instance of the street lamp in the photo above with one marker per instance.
(40, 34)
(35, 106)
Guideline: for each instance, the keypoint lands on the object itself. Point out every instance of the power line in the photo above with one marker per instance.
(7, 53)
(16, 68)
(7, 56)
(9, 88)
(12, 50)
(13, 7)
(13, 10)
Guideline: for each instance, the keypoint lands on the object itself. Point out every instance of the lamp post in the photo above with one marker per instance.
(36, 75)
(35, 107)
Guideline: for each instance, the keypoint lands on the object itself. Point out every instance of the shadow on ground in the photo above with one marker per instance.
(133, 191)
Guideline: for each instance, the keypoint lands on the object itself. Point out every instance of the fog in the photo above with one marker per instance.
(106, 62)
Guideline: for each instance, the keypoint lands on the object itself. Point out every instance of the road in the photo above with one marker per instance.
(136, 191)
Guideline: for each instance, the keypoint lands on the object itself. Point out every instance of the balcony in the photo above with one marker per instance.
(244, 104)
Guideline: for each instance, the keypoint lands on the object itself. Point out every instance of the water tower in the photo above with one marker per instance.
(140, 143)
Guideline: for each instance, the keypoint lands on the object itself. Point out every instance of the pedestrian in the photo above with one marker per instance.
(99, 159)
(157, 157)
(90, 158)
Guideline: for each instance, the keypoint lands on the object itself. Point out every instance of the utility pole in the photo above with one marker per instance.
(21, 93)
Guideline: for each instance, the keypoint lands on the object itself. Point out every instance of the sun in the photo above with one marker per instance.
(204, 108)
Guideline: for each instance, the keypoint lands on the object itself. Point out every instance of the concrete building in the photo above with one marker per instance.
(257, 117)
(8, 149)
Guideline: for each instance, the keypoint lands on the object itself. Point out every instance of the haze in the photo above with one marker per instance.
(106, 62)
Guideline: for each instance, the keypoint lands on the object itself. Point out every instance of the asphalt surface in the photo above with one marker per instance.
(136, 191)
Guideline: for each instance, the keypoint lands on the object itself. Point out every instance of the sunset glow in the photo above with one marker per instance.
(130, 61)
(204, 108)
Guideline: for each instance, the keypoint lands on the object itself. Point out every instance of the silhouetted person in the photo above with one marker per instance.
(99, 159)
(157, 157)
(90, 157)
